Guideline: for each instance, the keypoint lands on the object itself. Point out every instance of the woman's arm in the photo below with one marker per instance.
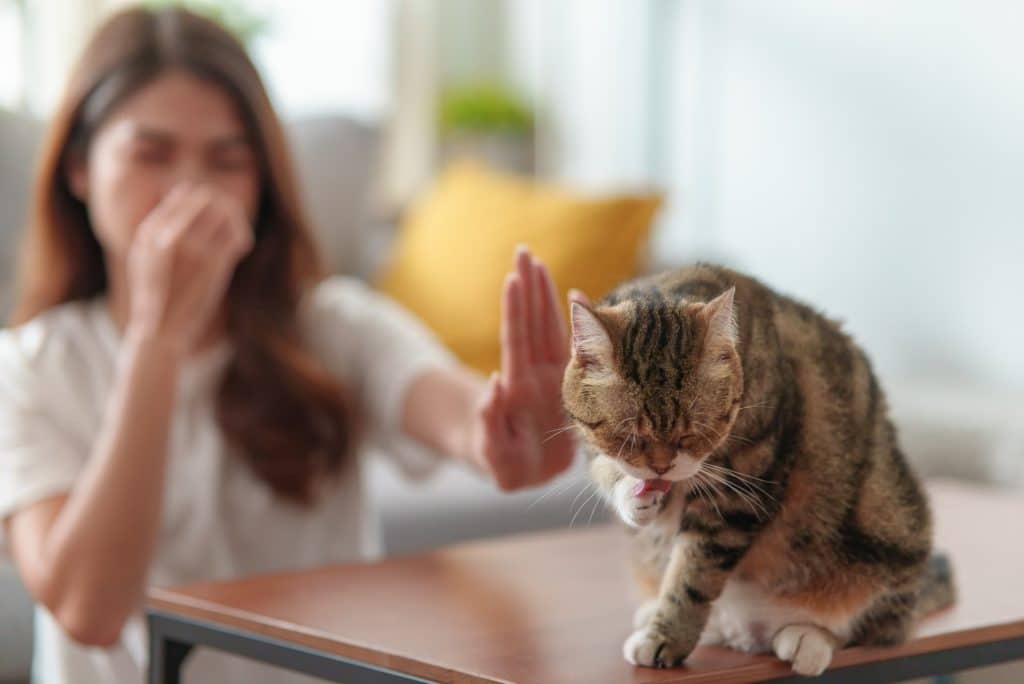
(511, 425)
(85, 555)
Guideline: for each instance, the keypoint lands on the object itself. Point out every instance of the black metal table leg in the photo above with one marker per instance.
(166, 655)
(172, 637)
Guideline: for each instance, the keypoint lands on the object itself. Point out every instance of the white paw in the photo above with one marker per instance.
(649, 649)
(636, 511)
(644, 613)
(809, 648)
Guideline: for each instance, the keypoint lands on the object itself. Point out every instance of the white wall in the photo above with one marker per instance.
(586, 64)
(870, 156)
(866, 155)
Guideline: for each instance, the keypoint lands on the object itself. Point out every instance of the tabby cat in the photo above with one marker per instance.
(746, 442)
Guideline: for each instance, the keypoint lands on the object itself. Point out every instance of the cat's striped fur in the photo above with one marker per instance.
(794, 523)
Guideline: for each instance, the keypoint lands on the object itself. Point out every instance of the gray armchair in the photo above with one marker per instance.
(19, 137)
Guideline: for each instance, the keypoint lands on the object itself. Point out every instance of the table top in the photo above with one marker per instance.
(556, 607)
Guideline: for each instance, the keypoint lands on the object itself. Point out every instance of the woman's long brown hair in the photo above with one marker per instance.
(288, 418)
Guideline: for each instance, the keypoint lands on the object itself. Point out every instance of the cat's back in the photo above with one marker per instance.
(762, 312)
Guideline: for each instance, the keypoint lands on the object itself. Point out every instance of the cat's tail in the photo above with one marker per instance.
(937, 590)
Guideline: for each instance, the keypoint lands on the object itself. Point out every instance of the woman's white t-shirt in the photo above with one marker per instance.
(56, 374)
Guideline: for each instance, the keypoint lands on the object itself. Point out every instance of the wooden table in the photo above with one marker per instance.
(556, 607)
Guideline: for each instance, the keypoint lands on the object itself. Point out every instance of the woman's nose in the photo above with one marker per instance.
(190, 171)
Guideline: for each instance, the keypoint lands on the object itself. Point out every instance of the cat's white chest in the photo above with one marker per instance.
(745, 617)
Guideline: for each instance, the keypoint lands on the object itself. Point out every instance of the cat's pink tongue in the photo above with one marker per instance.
(644, 486)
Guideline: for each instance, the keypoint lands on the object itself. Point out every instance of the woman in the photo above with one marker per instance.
(184, 395)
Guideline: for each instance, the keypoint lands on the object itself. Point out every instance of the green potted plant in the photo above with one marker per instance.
(488, 122)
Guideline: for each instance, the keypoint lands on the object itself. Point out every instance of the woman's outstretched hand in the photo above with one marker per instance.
(522, 436)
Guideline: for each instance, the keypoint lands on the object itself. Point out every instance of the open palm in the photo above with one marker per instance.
(522, 440)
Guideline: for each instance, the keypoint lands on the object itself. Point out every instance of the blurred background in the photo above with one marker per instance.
(864, 155)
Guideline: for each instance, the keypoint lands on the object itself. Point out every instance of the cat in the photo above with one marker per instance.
(745, 441)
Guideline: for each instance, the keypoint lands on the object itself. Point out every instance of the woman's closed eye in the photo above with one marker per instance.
(151, 154)
(233, 160)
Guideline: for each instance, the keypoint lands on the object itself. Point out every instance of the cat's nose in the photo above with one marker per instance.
(660, 470)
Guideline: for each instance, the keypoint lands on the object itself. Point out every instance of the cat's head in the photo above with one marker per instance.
(655, 384)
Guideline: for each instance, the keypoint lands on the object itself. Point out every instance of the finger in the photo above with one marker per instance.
(210, 256)
(490, 407)
(158, 217)
(183, 216)
(209, 226)
(234, 234)
(514, 345)
(224, 243)
(226, 237)
(240, 227)
(497, 435)
(539, 313)
(158, 226)
(524, 269)
(191, 254)
(557, 335)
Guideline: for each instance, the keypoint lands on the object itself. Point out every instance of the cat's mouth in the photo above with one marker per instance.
(644, 486)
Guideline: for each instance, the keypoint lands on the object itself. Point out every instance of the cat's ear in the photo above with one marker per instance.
(720, 314)
(591, 344)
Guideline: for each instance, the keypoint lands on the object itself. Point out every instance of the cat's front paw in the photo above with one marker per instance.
(648, 648)
(637, 510)
(644, 612)
(808, 647)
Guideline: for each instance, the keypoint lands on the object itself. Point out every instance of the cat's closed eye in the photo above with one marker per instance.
(685, 443)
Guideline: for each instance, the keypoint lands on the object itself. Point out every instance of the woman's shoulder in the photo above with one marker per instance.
(340, 292)
(69, 331)
(344, 300)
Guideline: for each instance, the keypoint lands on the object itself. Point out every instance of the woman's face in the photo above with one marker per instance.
(175, 128)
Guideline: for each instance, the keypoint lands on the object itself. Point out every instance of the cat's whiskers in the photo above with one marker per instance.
(763, 404)
(621, 447)
(582, 506)
(624, 421)
(756, 506)
(744, 480)
(739, 474)
(587, 484)
(633, 437)
(695, 397)
(593, 510)
(718, 435)
(558, 431)
(705, 491)
(709, 428)
(557, 488)
(745, 490)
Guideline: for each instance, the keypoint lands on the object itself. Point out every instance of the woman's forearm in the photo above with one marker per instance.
(95, 556)
(442, 411)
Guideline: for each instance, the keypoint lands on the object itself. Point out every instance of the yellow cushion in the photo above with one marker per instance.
(458, 241)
